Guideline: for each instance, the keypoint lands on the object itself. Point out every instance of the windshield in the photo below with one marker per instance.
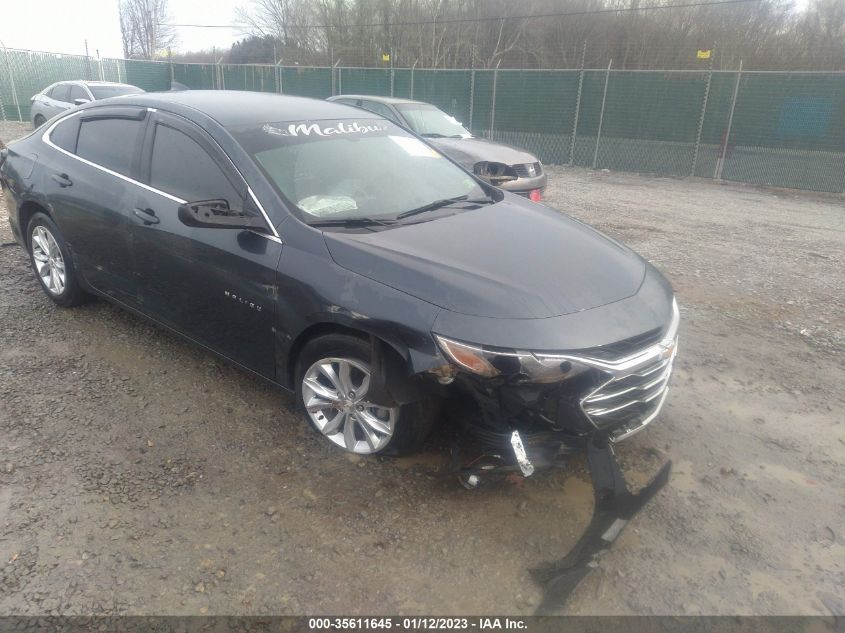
(428, 120)
(104, 92)
(367, 168)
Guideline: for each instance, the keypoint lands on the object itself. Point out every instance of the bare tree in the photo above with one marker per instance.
(144, 29)
(483, 33)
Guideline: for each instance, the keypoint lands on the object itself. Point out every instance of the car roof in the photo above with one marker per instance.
(377, 98)
(87, 82)
(232, 108)
(106, 83)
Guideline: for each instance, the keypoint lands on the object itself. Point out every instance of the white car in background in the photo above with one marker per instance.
(61, 96)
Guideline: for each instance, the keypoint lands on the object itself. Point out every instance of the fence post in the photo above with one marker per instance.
(720, 164)
(392, 73)
(601, 116)
(412, 77)
(87, 63)
(493, 107)
(471, 96)
(701, 117)
(577, 106)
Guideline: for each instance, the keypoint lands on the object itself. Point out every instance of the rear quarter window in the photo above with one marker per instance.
(64, 134)
(110, 143)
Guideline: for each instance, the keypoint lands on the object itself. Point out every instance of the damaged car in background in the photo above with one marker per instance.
(340, 257)
(503, 166)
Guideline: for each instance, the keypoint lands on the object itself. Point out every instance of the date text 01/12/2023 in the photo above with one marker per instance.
(418, 623)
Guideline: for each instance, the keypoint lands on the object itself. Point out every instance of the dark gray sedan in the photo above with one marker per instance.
(63, 95)
(505, 167)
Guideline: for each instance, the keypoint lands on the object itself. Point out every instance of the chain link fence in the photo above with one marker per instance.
(784, 129)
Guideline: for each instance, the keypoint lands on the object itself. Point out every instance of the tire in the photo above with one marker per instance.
(52, 262)
(38, 121)
(408, 424)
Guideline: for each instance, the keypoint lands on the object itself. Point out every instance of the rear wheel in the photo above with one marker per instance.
(38, 121)
(333, 378)
(52, 262)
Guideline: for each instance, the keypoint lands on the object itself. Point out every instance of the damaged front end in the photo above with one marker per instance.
(534, 408)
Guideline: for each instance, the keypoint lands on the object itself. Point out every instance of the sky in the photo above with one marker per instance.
(62, 26)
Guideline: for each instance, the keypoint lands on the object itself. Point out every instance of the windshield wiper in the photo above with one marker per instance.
(353, 222)
(438, 135)
(439, 204)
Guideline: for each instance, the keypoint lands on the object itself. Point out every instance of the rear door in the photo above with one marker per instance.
(218, 285)
(92, 184)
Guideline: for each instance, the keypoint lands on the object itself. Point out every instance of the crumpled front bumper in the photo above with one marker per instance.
(614, 398)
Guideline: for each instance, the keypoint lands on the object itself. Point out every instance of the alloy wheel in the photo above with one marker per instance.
(334, 391)
(49, 262)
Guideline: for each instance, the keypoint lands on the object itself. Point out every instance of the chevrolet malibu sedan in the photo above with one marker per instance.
(336, 255)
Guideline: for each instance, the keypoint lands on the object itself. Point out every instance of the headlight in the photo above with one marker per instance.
(493, 362)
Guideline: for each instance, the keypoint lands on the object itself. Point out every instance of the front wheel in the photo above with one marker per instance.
(333, 378)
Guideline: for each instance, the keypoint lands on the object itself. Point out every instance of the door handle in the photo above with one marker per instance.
(62, 179)
(148, 216)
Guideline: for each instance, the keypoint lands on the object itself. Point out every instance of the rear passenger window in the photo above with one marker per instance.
(182, 168)
(64, 134)
(110, 143)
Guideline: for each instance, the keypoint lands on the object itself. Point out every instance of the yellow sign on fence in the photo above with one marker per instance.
(385, 57)
(703, 54)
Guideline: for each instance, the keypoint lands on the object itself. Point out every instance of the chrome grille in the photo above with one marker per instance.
(524, 171)
(632, 397)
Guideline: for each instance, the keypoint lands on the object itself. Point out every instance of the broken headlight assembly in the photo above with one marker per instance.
(511, 364)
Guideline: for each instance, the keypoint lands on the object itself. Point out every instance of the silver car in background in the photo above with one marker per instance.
(506, 167)
(60, 96)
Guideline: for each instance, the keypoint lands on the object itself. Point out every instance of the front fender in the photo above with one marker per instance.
(315, 294)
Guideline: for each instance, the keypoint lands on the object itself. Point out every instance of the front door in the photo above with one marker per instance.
(218, 286)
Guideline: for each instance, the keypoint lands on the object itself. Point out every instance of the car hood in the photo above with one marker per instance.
(512, 259)
(468, 151)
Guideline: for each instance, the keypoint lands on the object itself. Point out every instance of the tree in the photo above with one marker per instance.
(143, 28)
(765, 34)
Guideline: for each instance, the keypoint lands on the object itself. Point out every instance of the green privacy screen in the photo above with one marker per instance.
(784, 129)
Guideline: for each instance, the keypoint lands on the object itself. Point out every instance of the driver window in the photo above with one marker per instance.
(182, 168)
(77, 92)
(60, 93)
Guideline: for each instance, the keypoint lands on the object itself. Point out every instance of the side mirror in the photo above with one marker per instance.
(80, 101)
(216, 214)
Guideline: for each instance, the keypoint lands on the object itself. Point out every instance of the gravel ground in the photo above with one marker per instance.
(139, 475)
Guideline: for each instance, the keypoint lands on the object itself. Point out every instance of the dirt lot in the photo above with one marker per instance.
(140, 475)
